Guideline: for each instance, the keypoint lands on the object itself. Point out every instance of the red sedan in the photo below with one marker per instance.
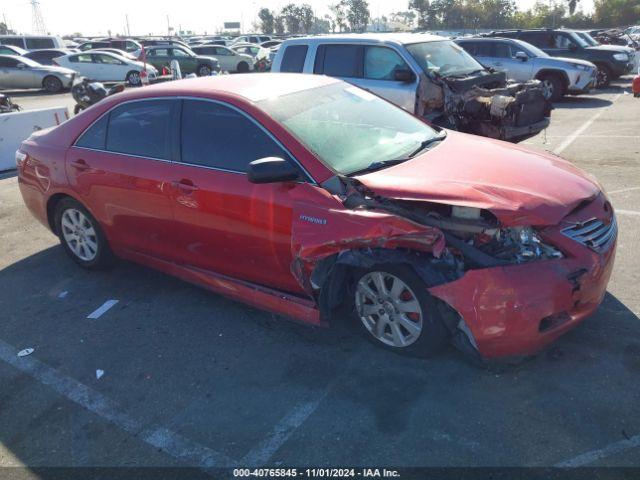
(304, 195)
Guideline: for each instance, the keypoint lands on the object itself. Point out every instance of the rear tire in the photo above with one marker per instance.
(81, 236)
(52, 84)
(243, 67)
(552, 87)
(392, 308)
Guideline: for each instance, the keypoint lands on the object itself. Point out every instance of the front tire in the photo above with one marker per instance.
(603, 76)
(393, 309)
(52, 84)
(133, 78)
(81, 236)
(204, 71)
(552, 88)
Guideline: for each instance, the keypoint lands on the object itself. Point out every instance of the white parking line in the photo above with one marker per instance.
(102, 309)
(623, 190)
(595, 455)
(626, 212)
(171, 443)
(571, 138)
(261, 453)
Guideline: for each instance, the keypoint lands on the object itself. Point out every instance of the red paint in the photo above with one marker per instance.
(259, 243)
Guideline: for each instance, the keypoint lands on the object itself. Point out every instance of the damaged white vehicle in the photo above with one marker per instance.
(427, 75)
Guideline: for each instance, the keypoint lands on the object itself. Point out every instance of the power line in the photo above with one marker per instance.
(37, 22)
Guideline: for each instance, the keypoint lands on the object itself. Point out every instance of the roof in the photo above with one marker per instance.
(399, 38)
(252, 86)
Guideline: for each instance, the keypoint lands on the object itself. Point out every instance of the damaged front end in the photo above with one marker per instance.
(504, 291)
(486, 104)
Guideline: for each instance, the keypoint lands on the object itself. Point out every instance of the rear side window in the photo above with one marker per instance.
(340, 61)
(96, 135)
(33, 43)
(8, 62)
(214, 135)
(15, 41)
(293, 59)
(539, 39)
(503, 50)
(141, 128)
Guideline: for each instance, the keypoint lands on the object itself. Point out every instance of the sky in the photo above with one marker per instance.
(66, 17)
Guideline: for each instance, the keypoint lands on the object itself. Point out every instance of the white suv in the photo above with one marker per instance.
(425, 74)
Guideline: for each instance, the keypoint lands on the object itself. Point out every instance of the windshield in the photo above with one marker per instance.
(579, 40)
(348, 128)
(444, 57)
(588, 38)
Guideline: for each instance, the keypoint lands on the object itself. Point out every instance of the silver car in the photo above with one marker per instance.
(523, 61)
(22, 72)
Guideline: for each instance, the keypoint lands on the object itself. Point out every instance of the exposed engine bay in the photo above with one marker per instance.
(486, 104)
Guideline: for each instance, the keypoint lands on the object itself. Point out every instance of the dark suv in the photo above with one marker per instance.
(612, 61)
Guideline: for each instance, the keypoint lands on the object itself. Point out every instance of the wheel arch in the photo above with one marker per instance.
(558, 73)
(50, 75)
(53, 202)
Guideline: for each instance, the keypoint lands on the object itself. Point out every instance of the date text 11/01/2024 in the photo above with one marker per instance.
(317, 472)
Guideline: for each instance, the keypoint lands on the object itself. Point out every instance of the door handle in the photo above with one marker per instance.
(185, 185)
(80, 164)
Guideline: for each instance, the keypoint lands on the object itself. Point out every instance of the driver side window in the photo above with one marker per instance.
(381, 63)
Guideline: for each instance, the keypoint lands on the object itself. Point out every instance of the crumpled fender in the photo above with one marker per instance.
(322, 229)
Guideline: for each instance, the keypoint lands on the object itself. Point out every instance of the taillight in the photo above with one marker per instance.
(21, 159)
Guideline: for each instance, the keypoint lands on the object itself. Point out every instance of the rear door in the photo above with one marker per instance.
(121, 169)
(227, 224)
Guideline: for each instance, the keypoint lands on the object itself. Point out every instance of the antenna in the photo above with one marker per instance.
(37, 22)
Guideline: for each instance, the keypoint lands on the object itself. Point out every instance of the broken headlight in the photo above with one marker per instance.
(516, 245)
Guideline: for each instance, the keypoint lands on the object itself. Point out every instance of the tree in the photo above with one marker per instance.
(358, 14)
(5, 30)
(423, 11)
(267, 21)
(278, 25)
(340, 14)
(307, 19)
(291, 16)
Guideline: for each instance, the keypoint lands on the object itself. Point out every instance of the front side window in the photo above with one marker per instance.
(503, 50)
(8, 63)
(108, 60)
(348, 128)
(381, 63)
(217, 136)
(444, 58)
(180, 53)
(141, 128)
(293, 59)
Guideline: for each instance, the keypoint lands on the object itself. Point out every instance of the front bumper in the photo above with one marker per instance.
(582, 82)
(511, 133)
(519, 309)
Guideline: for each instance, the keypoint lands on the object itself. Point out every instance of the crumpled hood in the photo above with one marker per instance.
(575, 61)
(610, 48)
(519, 186)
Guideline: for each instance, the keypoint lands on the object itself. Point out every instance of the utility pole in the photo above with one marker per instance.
(37, 22)
(126, 16)
(168, 27)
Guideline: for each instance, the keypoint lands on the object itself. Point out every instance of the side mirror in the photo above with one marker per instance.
(271, 170)
(404, 75)
(522, 56)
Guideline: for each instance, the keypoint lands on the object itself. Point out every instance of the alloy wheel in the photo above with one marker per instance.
(134, 79)
(547, 88)
(79, 234)
(388, 309)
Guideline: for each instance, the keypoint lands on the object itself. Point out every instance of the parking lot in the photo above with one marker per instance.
(190, 378)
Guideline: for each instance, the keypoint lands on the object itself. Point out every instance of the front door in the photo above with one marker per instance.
(227, 224)
(120, 168)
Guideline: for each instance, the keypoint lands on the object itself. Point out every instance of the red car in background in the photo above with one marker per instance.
(309, 197)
